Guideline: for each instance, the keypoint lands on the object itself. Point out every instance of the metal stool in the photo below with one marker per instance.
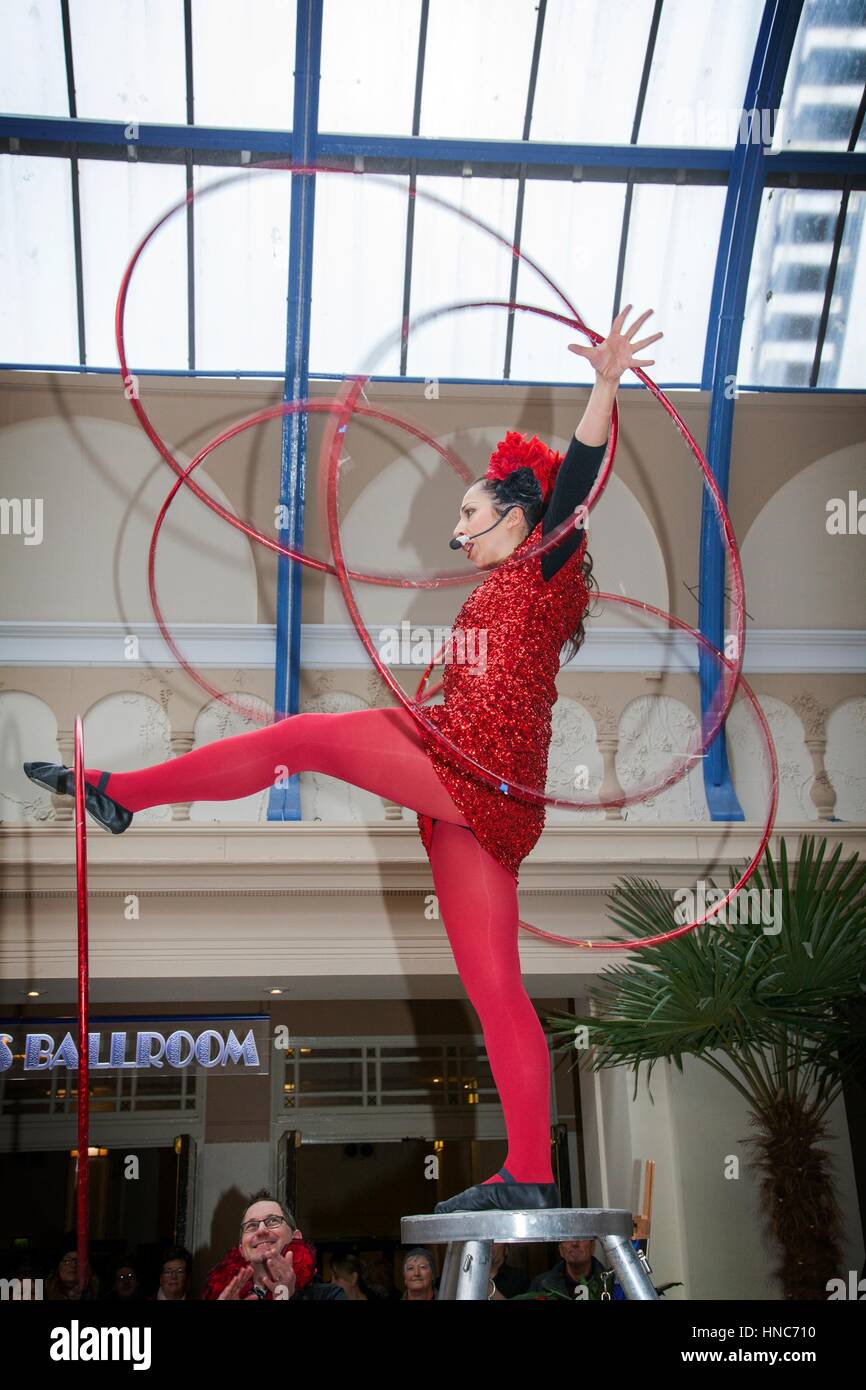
(469, 1236)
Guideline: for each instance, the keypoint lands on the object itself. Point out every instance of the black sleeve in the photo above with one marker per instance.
(574, 479)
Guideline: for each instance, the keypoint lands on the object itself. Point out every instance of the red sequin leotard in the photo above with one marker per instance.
(500, 688)
(499, 709)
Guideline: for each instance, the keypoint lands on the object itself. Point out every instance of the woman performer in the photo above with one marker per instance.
(498, 711)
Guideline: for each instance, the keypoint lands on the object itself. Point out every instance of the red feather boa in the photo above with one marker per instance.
(304, 1263)
(515, 451)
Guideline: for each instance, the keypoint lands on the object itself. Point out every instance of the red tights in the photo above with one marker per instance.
(381, 751)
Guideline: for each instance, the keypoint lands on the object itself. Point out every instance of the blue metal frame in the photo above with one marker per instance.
(229, 140)
(284, 802)
(736, 243)
(268, 375)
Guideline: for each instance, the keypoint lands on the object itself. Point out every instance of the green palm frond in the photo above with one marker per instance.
(766, 997)
(778, 1008)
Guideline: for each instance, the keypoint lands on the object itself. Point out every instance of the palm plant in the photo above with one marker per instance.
(780, 1015)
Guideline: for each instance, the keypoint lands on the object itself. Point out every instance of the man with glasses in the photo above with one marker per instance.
(271, 1260)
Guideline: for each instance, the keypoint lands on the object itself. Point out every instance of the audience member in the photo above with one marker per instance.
(577, 1265)
(347, 1271)
(270, 1261)
(418, 1274)
(507, 1280)
(174, 1275)
(62, 1282)
(379, 1279)
(126, 1287)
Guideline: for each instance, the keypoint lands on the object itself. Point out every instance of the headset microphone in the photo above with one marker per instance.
(461, 540)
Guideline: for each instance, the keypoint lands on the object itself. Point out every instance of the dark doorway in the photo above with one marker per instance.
(135, 1198)
(350, 1197)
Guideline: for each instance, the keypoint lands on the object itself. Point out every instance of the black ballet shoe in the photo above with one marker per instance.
(507, 1195)
(102, 807)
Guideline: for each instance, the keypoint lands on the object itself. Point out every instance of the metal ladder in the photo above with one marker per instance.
(469, 1236)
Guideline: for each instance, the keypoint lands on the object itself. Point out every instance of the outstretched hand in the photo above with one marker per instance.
(615, 353)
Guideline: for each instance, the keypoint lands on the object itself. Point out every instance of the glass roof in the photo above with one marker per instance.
(367, 85)
(243, 59)
(565, 89)
(128, 60)
(119, 202)
(699, 72)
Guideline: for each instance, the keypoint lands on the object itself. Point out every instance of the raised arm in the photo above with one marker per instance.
(579, 469)
(574, 480)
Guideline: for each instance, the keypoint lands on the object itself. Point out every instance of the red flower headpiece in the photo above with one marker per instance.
(515, 451)
(303, 1263)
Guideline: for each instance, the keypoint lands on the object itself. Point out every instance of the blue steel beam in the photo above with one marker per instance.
(236, 374)
(284, 802)
(218, 140)
(736, 242)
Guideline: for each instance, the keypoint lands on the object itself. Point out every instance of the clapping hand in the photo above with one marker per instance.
(234, 1286)
(281, 1271)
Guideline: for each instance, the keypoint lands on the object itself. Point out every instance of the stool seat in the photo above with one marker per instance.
(517, 1227)
(469, 1236)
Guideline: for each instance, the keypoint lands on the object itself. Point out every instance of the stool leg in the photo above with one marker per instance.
(450, 1270)
(633, 1278)
(473, 1260)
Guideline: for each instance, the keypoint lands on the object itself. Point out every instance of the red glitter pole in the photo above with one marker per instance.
(82, 1192)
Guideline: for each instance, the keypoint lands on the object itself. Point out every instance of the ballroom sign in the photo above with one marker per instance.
(228, 1046)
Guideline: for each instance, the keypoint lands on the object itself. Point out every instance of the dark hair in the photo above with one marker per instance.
(177, 1252)
(520, 488)
(264, 1195)
(345, 1265)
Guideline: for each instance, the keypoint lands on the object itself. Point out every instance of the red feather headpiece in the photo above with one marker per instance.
(303, 1263)
(515, 451)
